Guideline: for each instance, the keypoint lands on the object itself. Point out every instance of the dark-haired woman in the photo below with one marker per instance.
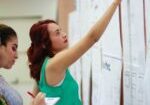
(8, 55)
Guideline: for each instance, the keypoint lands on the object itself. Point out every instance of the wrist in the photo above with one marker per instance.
(116, 3)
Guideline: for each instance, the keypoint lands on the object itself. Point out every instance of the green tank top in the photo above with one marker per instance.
(67, 91)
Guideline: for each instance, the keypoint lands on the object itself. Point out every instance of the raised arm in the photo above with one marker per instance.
(65, 58)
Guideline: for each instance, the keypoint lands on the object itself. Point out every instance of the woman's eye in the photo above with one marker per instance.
(58, 33)
(14, 48)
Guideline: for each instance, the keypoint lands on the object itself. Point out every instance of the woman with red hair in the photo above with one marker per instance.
(49, 57)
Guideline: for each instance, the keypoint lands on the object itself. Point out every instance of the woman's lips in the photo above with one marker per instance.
(66, 41)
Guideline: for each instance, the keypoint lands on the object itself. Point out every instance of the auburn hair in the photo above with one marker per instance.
(40, 47)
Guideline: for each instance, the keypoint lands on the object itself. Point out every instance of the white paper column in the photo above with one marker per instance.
(74, 37)
(96, 74)
(134, 51)
(86, 58)
(146, 84)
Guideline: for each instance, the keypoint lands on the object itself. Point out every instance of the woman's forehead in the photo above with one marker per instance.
(13, 41)
(52, 27)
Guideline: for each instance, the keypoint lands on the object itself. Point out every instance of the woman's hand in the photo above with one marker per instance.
(117, 1)
(39, 99)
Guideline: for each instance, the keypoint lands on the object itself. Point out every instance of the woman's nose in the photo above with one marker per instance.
(64, 34)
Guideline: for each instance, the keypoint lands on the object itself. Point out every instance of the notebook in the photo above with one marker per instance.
(51, 100)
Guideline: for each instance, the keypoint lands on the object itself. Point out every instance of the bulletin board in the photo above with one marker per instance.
(98, 72)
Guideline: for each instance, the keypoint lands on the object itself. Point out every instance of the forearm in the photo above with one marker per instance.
(35, 90)
(100, 26)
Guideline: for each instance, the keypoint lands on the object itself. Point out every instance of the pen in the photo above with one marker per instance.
(31, 94)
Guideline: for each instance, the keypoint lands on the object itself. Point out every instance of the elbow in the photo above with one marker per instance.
(94, 38)
(94, 35)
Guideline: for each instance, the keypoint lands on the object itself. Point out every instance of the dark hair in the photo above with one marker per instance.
(6, 33)
(40, 47)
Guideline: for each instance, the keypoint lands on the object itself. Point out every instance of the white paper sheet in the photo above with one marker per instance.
(134, 51)
(110, 85)
(51, 100)
(96, 74)
(146, 84)
(86, 70)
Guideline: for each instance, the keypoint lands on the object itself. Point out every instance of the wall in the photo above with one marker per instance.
(24, 8)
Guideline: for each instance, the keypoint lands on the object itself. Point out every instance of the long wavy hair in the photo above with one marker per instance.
(40, 47)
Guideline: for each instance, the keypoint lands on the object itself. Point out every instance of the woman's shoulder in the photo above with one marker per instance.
(3, 83)
(11, 96)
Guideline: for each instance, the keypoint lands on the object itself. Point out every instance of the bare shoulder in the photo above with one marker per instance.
(53, 74)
